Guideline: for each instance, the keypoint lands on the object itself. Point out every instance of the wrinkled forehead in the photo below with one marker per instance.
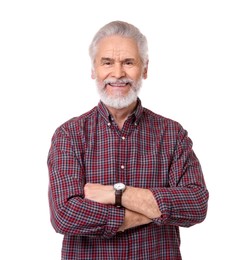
(117, 47)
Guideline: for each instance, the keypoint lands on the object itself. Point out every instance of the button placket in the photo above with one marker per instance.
(122, 158)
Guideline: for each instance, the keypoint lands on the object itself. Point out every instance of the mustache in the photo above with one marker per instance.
(118, 81)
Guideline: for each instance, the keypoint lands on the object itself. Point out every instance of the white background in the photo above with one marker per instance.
(196, 76)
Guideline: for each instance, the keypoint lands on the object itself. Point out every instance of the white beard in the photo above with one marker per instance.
(119, 100)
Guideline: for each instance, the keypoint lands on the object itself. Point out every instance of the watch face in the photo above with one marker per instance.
(119, 186)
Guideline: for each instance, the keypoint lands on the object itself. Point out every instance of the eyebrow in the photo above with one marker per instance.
(106, 59)
(129, 59)
(110, 59)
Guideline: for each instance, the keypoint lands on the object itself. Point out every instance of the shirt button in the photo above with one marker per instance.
(123, 138)
(135, 124)
(109, 124)
(122, 167)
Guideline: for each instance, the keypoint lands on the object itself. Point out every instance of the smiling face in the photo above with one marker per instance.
(118, 71)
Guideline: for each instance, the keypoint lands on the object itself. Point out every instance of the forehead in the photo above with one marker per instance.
(117, 46)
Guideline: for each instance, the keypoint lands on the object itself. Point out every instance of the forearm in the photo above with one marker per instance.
(134, 216)
(141, 201)
(133, 219)
(134, 199)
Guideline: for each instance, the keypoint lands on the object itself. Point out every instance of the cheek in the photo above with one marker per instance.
(100, 75)
(135, 74)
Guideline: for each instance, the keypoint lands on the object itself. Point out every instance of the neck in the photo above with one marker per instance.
(120, 115)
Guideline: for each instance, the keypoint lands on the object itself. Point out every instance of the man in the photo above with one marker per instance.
(122, 178)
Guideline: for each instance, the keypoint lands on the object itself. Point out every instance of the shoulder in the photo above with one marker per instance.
(162, 122)
(77, 125)
(170, 131)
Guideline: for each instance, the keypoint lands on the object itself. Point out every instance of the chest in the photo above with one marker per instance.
(139, 157)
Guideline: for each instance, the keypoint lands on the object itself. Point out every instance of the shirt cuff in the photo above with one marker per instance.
(115, 220)
(163, 202)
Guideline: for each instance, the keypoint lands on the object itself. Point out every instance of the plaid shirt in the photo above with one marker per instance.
(150, 152)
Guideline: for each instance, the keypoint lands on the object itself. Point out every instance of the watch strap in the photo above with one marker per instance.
(118, 197)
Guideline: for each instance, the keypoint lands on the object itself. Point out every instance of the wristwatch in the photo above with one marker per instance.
(119, 189)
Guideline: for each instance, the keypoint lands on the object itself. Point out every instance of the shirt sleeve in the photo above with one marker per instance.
(184, 202)
(70, 212)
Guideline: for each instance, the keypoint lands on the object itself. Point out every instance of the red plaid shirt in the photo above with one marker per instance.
(149, 152)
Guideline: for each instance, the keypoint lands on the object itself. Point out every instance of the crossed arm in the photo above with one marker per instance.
(140, 204)
(86, 209)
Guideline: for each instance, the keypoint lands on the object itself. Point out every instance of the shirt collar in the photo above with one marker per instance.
(102, 109)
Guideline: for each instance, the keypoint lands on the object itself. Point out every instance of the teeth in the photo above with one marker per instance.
(118, 84)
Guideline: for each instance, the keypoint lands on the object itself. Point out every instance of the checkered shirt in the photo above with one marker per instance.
(150, 152)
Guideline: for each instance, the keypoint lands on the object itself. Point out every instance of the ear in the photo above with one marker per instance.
(144, 74)
(93, 75)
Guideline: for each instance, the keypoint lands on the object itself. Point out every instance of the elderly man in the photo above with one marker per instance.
(122, 178)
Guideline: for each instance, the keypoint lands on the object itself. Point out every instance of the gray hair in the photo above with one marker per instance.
(122, 29)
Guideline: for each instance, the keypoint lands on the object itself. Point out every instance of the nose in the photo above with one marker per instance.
(118, 71)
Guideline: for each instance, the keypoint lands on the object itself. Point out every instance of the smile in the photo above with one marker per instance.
(118, 85)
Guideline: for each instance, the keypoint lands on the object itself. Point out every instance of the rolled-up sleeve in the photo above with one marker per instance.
(184, 202)
(70, 212)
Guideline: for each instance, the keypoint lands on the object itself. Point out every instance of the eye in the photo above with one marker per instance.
(106, 62)
(129, 63)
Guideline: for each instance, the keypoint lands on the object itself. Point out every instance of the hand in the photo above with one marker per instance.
(99, 193)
